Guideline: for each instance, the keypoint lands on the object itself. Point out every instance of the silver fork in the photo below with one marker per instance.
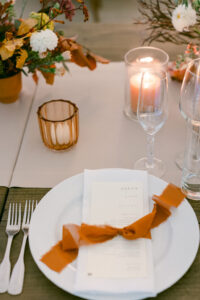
(12, 228)
(17, 278)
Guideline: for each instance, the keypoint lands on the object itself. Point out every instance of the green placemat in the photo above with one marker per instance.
(16, 195)
(196, 206)
(37, 286)
(3, 197)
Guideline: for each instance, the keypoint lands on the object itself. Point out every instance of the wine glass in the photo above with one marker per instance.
(189, 103)
(152, 113)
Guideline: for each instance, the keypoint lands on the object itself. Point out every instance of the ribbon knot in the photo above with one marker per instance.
(128, 232)
(120, 231)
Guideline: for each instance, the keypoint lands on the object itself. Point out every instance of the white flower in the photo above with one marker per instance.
(183, 17)
(43, 40)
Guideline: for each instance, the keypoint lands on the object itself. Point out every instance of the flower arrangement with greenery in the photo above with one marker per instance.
(33, 45)
(175, 21)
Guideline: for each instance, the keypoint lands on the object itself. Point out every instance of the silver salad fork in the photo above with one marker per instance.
(17, 278)
(12, 228)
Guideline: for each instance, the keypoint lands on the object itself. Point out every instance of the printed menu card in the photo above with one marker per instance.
(117, 198)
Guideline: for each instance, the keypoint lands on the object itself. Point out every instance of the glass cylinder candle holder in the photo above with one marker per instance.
(58, 122)
(139, 61)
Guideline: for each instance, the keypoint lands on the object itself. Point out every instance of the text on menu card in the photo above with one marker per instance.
(117, 204)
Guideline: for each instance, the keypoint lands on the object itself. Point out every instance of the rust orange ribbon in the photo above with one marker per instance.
(74, 236)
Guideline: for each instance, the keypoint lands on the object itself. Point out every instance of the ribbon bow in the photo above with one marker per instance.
(75, 236)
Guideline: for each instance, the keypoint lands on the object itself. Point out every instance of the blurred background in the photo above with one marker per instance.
(104, 11)
(110, 31)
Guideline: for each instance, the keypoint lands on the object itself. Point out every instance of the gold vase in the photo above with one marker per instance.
(10, 87)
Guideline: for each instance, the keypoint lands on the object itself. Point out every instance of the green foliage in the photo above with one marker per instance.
(61, 32)
(34, 61)
(57, 5)
(11, 12)
(196, 4)
(54, 10)
(49, 70)
(177, 2)
(179, 61)
(185, 2)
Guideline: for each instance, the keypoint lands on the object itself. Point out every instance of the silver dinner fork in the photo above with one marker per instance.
(12, 228)
(17, 278)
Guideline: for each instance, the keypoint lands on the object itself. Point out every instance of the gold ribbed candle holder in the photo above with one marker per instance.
(59, 124)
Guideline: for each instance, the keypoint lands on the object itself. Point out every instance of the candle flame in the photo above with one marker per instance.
(147, 59)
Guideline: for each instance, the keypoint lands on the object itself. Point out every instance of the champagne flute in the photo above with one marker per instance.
(189, 104)
(190, 109)
(152, 113)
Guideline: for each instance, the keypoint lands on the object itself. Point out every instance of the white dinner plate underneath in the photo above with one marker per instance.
(175, 242)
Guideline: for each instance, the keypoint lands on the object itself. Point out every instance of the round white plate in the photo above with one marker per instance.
(175, 242)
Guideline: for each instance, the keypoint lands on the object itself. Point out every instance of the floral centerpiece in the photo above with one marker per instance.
(33, 45)
(175, 21)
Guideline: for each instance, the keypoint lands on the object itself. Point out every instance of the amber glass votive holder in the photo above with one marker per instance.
(59, 124)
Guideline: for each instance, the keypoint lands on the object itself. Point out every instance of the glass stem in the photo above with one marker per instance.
(150, 150)
(195, 142)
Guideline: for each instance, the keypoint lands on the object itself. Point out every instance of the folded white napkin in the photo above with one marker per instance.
(116, 197)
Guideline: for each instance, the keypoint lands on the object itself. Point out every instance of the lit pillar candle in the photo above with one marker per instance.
(150, 87)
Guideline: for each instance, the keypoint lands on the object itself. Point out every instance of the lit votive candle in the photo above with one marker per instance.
(62, 133)
(150, 87)
(58, 121)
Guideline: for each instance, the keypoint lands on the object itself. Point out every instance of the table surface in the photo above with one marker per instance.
(13, 119)
(113, 141)
(29, 168)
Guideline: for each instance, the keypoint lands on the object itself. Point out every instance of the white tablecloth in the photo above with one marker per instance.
(13, 118)
(107, 138)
